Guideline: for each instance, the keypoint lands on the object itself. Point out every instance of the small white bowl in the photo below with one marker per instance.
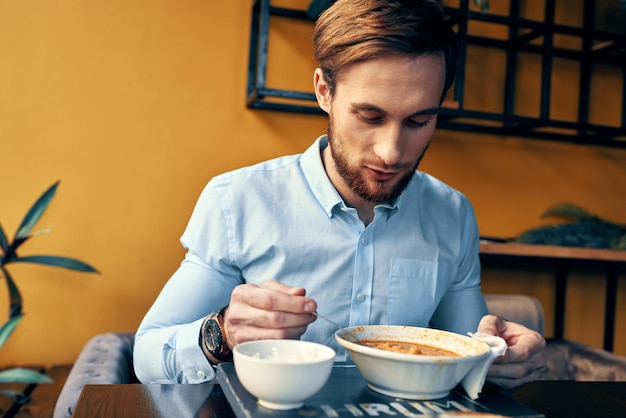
(412, 376)
(282, 374)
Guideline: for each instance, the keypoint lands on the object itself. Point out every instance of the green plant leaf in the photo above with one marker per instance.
(23, 376)
(12, 394)
(567, 211)
(483, 4)
(57, 261)
(7, 329)
(4, 244)
(35, 212)
(15, 298)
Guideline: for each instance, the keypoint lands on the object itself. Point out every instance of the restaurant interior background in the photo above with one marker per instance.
(135, 105)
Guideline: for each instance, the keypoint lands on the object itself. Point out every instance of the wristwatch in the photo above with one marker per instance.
(212, 336)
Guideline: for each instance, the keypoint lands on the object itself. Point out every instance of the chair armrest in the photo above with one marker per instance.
(570, 360)
(523, 309)
(105, 359)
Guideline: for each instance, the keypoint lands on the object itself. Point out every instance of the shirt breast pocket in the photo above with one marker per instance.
(415, 288)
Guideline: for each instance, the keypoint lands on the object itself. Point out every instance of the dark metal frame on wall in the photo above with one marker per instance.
(524, 36)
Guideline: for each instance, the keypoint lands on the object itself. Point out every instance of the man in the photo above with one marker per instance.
(349, 227)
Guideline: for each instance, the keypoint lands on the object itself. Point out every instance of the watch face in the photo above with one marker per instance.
(213, 336)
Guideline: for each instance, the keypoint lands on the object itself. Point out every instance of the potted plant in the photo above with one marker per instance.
(9, 254)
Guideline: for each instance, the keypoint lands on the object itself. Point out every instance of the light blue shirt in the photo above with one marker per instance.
(415, 264)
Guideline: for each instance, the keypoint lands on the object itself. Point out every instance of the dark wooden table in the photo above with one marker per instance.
(552, 398)
(204, 400)
(571, 399)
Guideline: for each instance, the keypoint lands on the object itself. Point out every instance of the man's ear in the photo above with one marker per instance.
(322, 91)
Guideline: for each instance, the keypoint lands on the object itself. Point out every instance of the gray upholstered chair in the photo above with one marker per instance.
(525, 310)
(566, 360)
(107, 358)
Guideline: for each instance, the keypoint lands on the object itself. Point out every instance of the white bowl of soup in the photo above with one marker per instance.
(412, 362)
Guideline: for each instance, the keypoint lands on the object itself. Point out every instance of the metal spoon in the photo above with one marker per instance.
(354, 337)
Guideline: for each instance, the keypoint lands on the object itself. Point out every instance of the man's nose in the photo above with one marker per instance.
(388, 145)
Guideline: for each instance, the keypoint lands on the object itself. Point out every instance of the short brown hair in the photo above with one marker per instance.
(357, 30)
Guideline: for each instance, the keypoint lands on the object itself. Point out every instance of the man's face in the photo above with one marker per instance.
(381, 119)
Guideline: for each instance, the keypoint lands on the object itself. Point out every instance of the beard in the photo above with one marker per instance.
(377, 191)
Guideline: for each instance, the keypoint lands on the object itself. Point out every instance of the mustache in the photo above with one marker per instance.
(380, 165)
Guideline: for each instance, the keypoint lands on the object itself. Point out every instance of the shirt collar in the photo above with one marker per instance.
(316, 176)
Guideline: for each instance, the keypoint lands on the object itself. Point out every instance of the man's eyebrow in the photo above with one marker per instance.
(428, 111)
(370, 107)
(366, 106)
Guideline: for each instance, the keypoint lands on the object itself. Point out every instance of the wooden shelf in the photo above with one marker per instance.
(552, 252)
(562, 258)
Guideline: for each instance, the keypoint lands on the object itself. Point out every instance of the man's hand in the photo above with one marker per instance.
(271, 310)
(524, 356)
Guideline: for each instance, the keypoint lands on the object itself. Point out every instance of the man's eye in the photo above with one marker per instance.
(413, 123)
(370, 117)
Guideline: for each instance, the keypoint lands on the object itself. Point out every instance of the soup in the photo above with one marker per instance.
(409, 348)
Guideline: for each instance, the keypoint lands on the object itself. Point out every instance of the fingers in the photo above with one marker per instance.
(521, 341)
(519, 362)
(273, 296)
(243, 332)
(523, 347)
(271, 310)
(524, 356)
(491, 324)
(276, 285)
(513, 375)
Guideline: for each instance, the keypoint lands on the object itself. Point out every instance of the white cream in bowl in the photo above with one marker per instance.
(282, 374)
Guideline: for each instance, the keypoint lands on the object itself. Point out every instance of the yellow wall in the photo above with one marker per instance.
(135, 105)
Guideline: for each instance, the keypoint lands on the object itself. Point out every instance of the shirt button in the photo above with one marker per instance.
(360, 297)
(201, 374)
(364, 241)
